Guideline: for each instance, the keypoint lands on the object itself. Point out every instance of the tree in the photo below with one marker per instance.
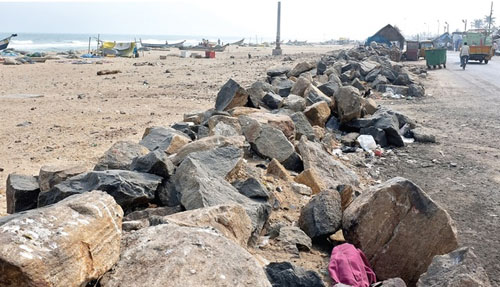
(478, 24)
(489, 21)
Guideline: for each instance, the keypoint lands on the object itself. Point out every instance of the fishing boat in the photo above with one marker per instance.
(5, 42)
(162, 46)
(238, 43)
(216, 48)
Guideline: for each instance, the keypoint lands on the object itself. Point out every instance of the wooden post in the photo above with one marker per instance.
(89, 45)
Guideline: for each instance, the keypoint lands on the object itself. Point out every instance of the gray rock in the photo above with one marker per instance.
(458, 268)
(330, 88)
(165, 139)
(284, 274)
(273, 101)
(390, 124)
(120, 156)
(200, 186)
(207, 143)
(231, 95)
(313, 95)
(218, 161)
(22, 193)
(282, 86)
(366, 67)
(348, 103)
(277, 71)
(50, 175)
(301, 189)
(416, 91)
(378, 135)
(321, 68)
(300, 86)
(380, 80)
(155, 162)
(149, 212)
(330, 171)
(423, 136)
(183, 256)
(403, 79)
(294, 103)
(392, 223)
(167, 194)
(400, 90)
(394, 282)
(322, 215)
(302, 126)
(332, 125)
(357, 84)
(252, 188)
(295, 238)
(130, 189)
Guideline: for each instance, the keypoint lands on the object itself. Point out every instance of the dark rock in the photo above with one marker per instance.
(321, 68)
(403, 79)
(302, 126)
(167, 194)
(330, 88)
(165, 139)
(390, 124)
(322, 215)
(257, 91)
(378, 135)
(284, 274)
(458, 268)
(278, 71)
(349, 139)
(252, 188)
(130, 189)
(272, 101)
(380, 80)
(149, 212)
(120, 156)
(155, 162)
(282, 86)
(22, 193)
(294, 163)
(50, 175)
(370, 77)
(295, 238)
(392, 223)
(332, 125)
(416, 91)
(357, 84)
(231, 95)
(313, 95)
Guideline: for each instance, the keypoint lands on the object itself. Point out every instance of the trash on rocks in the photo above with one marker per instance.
(367, 142)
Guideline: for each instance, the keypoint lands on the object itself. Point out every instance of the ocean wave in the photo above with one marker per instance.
(20, 42)
(66, 45)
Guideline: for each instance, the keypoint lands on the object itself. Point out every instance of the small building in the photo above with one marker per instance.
(388, 35)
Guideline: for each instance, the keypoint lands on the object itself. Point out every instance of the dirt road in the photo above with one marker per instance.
(462, 171)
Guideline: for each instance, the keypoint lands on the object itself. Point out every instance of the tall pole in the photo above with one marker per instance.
(490, 19)
(277, 51)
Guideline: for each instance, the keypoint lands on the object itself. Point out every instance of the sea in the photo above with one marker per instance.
(38, 42)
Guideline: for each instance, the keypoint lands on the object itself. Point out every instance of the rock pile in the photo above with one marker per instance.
(207, 199)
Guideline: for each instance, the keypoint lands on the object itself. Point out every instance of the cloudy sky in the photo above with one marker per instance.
(311, 20)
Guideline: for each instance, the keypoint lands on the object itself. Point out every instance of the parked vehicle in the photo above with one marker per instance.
(423, 46)
(481, 47)
(412, 51)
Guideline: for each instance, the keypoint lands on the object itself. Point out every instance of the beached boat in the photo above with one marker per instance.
(238, 43)
(216, 48)
(162, 46)
(5, 42)
(113, 49)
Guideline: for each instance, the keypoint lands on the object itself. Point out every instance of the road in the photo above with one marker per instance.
(462, 171)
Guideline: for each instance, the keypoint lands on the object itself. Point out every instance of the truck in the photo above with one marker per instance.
(481, 46)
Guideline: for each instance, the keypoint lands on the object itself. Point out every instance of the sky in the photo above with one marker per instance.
(313, 20)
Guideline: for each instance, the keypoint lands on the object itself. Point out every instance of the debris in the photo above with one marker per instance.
(108, 72)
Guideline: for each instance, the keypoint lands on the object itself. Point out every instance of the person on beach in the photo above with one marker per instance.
(464, 54)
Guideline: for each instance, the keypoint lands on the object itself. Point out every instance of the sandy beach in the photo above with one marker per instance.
(58, 111)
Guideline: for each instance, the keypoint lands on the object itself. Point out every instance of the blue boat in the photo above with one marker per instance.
(5, 42)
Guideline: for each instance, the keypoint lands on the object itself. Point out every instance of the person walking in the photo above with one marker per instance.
(495, 47)
(464, 55)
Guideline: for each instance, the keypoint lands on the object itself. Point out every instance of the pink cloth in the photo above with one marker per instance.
(348, 265)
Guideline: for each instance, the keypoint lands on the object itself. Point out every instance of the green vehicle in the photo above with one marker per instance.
(480, 46)
(435, 58)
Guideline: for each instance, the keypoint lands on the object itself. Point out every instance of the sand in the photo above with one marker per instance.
(60, 112)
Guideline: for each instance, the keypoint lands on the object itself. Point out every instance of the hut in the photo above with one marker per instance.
(388, 35)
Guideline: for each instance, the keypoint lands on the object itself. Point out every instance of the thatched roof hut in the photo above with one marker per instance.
(387, 35)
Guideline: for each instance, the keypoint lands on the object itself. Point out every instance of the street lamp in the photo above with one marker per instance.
(447, 26)
(439, 26)
(465, 22)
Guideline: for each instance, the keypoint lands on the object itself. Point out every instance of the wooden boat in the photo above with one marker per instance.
(205, 48)
(238, 43)
(5, 42)
(162, 46)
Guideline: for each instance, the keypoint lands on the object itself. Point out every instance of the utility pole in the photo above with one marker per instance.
(490, 19)
(277, 51)
(465, 27)
(439, 26)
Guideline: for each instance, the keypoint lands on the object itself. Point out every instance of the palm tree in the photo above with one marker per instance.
(478, 23)
(489, 21)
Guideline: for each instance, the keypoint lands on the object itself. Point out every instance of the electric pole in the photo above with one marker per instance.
(277, 51)
(490, 19)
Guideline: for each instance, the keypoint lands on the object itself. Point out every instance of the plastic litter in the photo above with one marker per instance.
(367, 142)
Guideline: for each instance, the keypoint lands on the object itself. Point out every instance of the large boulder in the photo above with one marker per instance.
(300, 86)
(120, 156)
(322, 215)
(399, 228)
(171, 255)
(330, 171)
(330, 88)
(22, 192)
(50, 175)
(348, 103)
(230, 220)
(286, 274)
(314, 95)
(231, 95)
(318, 113)
(200, 183)
(168, 140)
(282, 86)
(294, 103)
(458, 268)
(273, 101)
(302, 126)
(367, 66)
(301, 68)
(155, 162)
(282, 122)
(277, 71)
(207, 143)
(130, 189)
(67, 244)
